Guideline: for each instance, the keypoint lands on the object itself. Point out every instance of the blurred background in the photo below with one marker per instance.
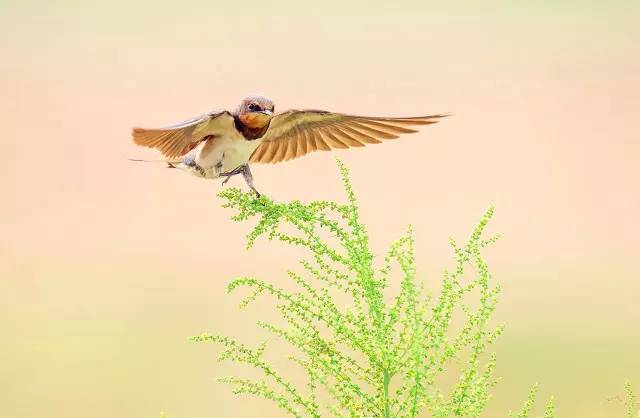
(107, 266)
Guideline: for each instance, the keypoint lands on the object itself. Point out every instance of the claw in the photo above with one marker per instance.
(246, 174)
(231, 173)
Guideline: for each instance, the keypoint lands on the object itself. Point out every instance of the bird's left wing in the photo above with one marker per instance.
(295, 133)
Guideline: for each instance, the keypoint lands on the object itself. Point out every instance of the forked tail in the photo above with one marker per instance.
(170, 164)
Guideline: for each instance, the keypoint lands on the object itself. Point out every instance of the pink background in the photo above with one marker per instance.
(108, 266)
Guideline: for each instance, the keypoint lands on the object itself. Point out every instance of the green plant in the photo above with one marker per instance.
(367, 352)
(530, 402)
(630, 402)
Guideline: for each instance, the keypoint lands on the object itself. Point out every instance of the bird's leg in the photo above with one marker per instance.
(248, 178)
(232, 173)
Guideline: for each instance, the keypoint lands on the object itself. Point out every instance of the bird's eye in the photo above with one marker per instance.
(253, 107)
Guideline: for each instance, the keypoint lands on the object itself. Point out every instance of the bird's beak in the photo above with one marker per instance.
(267, 112)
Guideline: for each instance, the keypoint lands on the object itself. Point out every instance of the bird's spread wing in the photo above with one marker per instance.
(295, 133)
(177, 140)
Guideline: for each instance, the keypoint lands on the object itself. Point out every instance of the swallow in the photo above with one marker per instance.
(221, 144)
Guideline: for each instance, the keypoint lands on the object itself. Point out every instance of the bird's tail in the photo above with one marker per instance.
(170, 164)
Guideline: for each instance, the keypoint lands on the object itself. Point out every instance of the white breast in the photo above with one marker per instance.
(225, 153)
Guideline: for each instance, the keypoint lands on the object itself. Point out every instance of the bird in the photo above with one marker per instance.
(222, 144)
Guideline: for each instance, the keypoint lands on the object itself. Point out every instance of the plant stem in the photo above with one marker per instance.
(387, 379)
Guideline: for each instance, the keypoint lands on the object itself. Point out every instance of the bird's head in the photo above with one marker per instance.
(255, 112)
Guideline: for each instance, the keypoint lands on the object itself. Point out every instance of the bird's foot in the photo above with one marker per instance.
(256, 192)
(231, 173)
(246, 174)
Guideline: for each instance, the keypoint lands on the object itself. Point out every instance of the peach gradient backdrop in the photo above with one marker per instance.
(107, 266)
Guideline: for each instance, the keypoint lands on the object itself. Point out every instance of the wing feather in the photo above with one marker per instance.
(177, 140)
(308, 139)
(292, 150)
(282, 151)
(262, 151)
(376, 133)
(302, 146)
(331, 139)
(295, 133)
(361, 137)
(353, 142)
(320, 144)
(386, 126)
(273, 151)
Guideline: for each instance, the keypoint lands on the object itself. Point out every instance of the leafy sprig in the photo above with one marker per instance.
(379, 355)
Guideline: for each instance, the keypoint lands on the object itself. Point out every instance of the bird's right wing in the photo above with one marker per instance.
(177, 140)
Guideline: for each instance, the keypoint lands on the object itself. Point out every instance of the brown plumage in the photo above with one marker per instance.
(221, 144)
(295, 133)
(177, 140)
